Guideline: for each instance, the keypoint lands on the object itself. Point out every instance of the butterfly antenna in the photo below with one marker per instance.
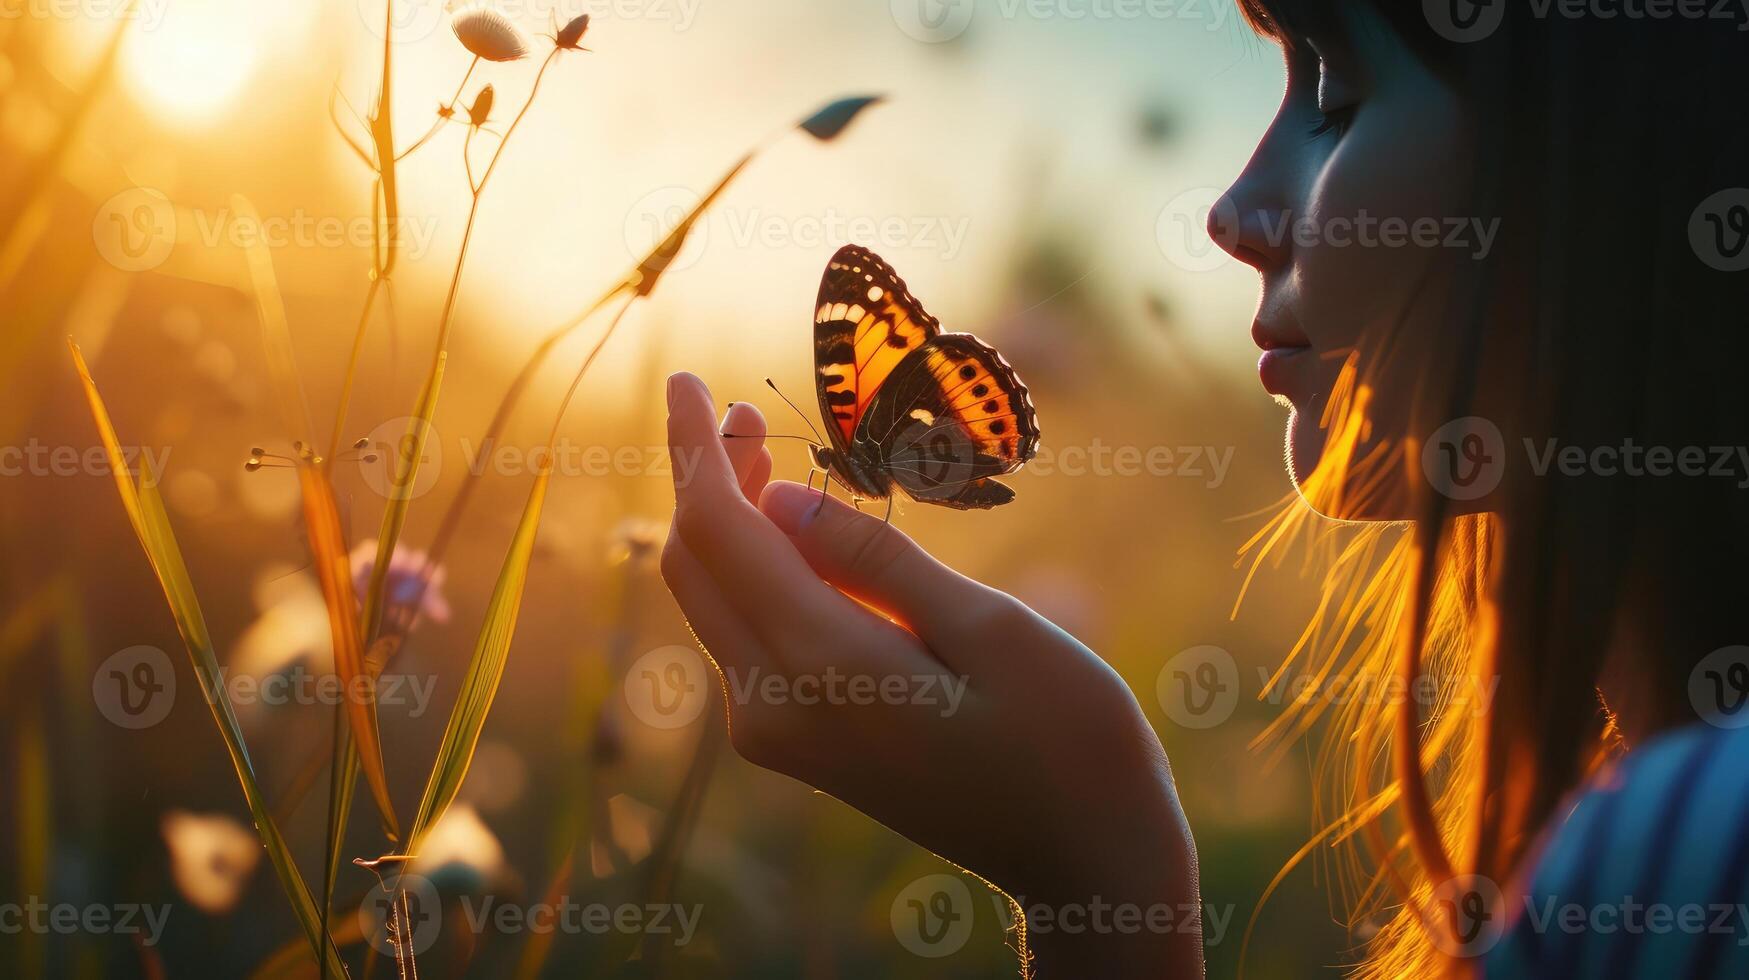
(738, 435)
(792, 405)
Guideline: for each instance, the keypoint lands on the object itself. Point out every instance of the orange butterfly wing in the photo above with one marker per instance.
(865, 322)
(954, 415)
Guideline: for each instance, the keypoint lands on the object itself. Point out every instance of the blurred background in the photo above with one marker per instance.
(1038, 172)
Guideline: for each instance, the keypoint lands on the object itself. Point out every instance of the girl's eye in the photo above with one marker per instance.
(1335, 90)
(1335, 120)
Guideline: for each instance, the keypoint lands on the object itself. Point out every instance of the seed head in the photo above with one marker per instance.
(488, 34)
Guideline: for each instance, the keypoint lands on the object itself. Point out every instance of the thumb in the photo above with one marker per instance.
(875, 562)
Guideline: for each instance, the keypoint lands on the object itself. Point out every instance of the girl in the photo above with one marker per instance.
(1534, 396)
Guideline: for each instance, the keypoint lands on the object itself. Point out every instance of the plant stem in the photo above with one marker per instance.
(457, 97)
(532, 92)
(370, 299)
(427, 406)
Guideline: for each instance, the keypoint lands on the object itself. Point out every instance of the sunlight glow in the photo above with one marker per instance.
(193, 64)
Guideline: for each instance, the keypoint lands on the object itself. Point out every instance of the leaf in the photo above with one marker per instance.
(830, 120)
(145, 511)
(485, 670)
(334, 573)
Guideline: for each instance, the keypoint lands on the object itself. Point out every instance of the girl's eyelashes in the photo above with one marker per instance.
(1335, 120)
(1337, 101)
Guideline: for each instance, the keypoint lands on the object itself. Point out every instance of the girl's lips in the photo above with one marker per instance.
(1282, 369)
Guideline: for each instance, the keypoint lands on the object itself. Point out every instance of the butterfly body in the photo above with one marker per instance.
(937, 415)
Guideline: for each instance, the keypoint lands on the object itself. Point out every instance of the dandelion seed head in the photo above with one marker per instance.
(489, 35)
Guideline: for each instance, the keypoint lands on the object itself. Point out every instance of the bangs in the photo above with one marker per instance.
(1290, 22)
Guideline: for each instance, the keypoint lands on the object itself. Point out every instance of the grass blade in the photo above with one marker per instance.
(26, 621)
(334, 573)
(649, 271)
(282, 366)
(145, 511)
(485, 670)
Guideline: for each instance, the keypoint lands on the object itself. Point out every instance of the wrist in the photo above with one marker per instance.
(1129, 907)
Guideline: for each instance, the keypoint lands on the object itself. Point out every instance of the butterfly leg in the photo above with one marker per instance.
(825, 490)
(889, 518)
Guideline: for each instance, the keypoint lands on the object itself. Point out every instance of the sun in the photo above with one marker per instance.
(193, 59)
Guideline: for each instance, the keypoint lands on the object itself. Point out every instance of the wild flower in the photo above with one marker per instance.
(460, 837)
(292, 626)
(489, 35)
(211, 858)
(406, 583)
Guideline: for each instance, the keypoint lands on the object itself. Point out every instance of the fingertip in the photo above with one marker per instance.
(692, 415)
(681, 383)
(744, 421)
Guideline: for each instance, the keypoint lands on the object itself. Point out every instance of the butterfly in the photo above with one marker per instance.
(938, 415)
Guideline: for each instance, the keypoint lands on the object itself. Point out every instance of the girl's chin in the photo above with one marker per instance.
(1305, 449)
(1326, 492)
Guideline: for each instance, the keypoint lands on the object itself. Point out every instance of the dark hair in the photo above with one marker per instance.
(1615, 152)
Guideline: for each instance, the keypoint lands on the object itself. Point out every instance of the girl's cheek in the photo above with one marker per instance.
(1378, 219)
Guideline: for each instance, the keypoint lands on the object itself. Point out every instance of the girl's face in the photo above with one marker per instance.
(1349, 209)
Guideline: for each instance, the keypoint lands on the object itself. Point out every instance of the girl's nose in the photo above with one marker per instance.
(1247, 229)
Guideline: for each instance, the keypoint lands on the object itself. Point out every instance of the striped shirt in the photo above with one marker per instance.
(1648, 876)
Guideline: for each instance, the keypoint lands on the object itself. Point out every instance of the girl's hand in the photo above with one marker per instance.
(956, 716)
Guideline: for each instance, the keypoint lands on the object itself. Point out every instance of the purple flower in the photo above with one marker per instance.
(405, 585)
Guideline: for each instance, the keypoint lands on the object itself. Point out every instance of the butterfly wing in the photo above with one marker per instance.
(952, 416)
(865, 323)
